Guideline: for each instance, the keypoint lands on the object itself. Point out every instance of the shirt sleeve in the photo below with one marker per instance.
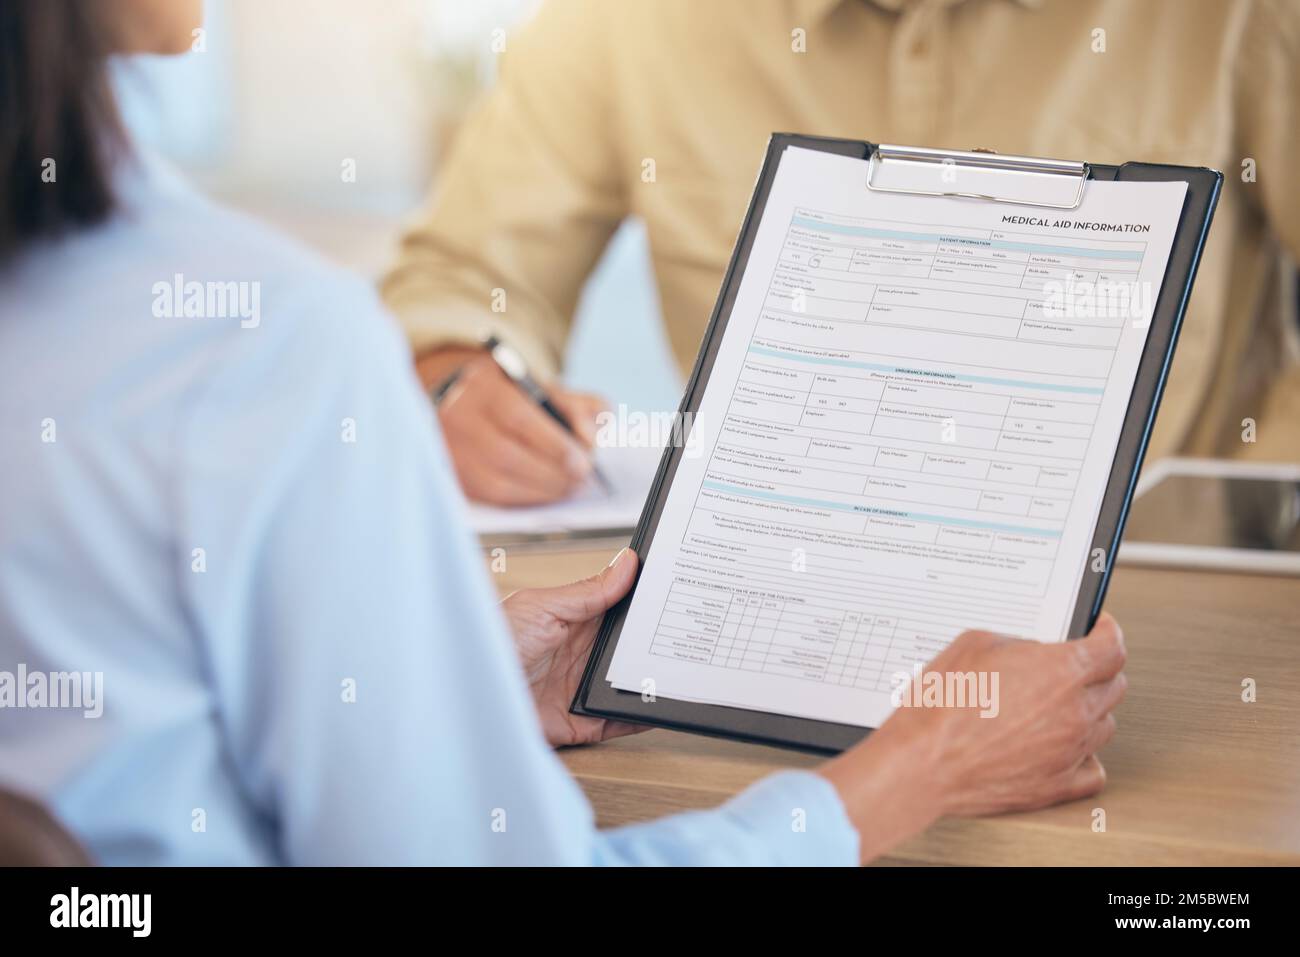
(1267, 107)
(791, 819)
(365, 683)
(1268, 111)
(527, 201)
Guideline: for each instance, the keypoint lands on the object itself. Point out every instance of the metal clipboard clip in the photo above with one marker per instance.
(977, 174)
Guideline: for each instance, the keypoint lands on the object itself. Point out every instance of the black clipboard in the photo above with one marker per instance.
(596, 698)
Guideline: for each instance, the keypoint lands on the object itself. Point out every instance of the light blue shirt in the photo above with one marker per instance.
(248, 525)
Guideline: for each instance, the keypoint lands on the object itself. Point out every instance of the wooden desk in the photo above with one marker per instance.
(1196, 776)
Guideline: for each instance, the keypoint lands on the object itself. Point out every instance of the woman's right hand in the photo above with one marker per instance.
(1035, 746)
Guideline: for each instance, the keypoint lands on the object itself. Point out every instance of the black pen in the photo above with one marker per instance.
(512, 364)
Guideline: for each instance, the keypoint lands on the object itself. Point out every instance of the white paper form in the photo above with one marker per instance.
(907, 432)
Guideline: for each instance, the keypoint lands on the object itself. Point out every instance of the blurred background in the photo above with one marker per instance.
(282, 94)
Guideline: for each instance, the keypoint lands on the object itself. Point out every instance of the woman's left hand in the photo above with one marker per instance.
(553, 630)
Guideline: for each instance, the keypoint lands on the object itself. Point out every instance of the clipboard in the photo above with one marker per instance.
(987, 176)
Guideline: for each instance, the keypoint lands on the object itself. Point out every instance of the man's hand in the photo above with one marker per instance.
(1053, 715)
(553, 630)
(506, 450)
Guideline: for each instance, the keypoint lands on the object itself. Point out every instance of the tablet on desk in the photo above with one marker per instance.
(1217, 515)
(913, 415)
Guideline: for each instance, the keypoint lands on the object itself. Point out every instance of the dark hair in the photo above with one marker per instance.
(55, 105)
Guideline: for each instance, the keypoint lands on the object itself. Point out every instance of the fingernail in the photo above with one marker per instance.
(618, 558)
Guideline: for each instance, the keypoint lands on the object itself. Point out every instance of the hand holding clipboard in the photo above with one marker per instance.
(876, 298)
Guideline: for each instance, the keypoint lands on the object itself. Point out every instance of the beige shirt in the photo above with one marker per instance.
(590, 90)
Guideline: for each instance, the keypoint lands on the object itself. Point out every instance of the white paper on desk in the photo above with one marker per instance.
(630, 471)
(897, 442)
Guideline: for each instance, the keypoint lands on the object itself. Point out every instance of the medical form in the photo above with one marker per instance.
(906, 433)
